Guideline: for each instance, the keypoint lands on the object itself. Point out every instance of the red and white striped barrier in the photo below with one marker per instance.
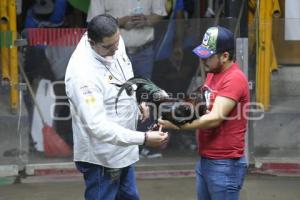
(54, 36)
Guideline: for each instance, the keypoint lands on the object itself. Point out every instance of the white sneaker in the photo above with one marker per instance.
(146, 153)
(209, 13)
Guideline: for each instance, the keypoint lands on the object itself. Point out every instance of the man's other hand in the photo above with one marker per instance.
(156, 138)
(167, 124)
(144, 111)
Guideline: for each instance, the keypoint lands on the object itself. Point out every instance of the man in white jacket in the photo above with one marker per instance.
(105, 141)
(136, 20)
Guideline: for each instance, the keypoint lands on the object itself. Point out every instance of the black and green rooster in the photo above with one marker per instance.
(176, 110)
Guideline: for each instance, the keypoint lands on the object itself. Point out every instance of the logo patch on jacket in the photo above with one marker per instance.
(88, 96)
(90, 100)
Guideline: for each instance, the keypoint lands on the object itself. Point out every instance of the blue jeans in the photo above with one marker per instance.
(108, 184)
(220, 179)
(142, 62)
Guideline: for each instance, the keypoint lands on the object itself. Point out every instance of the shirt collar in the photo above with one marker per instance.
(94, 54)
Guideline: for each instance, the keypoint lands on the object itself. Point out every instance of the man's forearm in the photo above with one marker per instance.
(205, 121)
(153, 19)
(179, 28)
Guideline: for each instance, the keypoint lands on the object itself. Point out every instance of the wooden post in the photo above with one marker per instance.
(13, 56)
(4, 37)
(264, 53)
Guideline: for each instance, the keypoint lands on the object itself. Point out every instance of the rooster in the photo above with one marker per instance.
(176, 110)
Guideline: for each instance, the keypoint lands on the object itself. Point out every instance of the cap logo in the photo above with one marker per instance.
(210, 39)
(206, 39)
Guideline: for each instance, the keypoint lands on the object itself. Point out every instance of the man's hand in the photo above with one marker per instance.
(177, 57)
(156, 138)
(140, 20)
(126, 22)
(167, 124)
(144, 112)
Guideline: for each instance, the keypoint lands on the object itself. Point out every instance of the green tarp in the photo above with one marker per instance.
(82, 5)
(6, 39)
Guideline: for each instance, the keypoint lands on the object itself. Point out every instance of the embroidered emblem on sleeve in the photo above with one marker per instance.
(88, 95)
(90, 100)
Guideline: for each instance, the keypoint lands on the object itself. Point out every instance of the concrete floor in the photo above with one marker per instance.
(256, 187)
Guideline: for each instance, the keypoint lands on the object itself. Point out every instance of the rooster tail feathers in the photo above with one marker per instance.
(128, 87)
(129, 90)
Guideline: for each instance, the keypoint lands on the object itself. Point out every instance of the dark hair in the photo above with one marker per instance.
(102, 26)
(231, 53)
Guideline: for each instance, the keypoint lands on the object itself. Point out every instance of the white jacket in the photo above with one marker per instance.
(102, 136)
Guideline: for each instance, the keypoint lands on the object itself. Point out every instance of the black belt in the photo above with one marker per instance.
(113, 173)
(133, 50)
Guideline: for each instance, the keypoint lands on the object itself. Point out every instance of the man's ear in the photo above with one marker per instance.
(225, 56)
